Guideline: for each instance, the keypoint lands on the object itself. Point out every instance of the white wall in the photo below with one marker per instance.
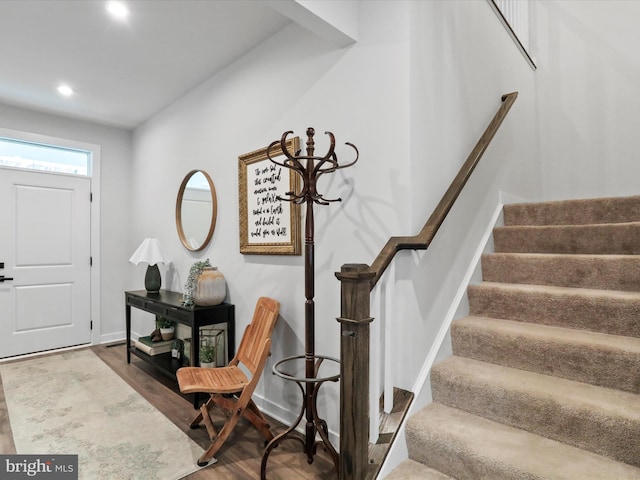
(588, 76)
(414, 94)
(293, 81)
(572, 132)
(115, 156)
(462, 62)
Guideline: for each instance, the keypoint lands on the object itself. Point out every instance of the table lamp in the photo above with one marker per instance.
(150, 252)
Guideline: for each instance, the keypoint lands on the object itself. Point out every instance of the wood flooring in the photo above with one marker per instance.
(240, 456)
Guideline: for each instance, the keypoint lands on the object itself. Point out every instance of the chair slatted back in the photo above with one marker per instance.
(258, 333)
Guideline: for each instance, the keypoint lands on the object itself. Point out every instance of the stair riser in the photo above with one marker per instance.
(596, 365)
(594, 313)
(618, 239)
(573, 424)
(410, 470)
(574, 212)
(606, 273)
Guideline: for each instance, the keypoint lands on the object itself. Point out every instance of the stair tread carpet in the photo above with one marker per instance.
(602, 420)
(597, 358)
(469, 447)
(607, 311)
(544, 381)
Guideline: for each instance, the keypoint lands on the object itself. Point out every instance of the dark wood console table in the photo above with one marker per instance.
(169, 304)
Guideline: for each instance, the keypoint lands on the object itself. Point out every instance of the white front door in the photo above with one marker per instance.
(45, 225)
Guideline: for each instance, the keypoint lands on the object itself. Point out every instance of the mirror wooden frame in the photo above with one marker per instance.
(249, 197)
(214, 211)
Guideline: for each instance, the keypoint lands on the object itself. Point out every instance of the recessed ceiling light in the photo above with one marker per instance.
(117, 9)
(65, 90)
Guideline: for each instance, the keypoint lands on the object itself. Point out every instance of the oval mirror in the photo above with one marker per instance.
(196, 209)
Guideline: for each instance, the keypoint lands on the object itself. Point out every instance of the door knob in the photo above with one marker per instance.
(3, 278)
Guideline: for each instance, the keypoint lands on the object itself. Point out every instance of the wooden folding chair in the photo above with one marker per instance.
(229, 387)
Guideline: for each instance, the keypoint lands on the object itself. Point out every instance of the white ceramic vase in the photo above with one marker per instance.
(211, 287)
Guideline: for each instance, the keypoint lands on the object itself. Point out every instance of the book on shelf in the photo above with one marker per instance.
(145, 345)
(147, 341)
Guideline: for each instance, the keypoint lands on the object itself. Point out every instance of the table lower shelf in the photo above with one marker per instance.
(163, 362)
(166, 366)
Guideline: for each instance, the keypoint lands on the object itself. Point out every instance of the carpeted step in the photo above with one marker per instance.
(545, 378)
(608, 272)
(412, 470)
(599, 359)
(468, 447)
(605, 311)
(574, 212)
(601, 420)
(606, 239)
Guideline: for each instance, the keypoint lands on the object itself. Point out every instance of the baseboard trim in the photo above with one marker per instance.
(454, 309)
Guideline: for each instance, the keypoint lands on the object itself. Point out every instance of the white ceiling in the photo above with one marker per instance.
(123, 72)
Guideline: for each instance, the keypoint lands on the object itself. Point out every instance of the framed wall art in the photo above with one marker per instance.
(268, 225)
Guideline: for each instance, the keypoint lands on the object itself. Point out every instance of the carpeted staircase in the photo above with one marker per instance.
(545, 378)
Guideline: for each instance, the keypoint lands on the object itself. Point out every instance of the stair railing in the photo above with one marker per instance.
(357, 281)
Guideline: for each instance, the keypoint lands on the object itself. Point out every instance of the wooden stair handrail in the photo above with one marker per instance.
(422, 240)
(356, 282)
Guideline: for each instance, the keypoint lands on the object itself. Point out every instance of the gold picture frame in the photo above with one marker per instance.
(268, 226)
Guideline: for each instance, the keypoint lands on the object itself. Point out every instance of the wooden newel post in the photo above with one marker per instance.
(354, 370)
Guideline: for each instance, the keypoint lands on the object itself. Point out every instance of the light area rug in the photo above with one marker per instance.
(73, 403)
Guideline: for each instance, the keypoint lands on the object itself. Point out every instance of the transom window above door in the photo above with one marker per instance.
(49, 158)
